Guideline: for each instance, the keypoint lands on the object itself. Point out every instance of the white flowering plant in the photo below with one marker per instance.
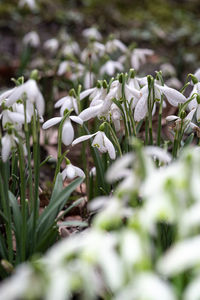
(144, 233)
(24, 230)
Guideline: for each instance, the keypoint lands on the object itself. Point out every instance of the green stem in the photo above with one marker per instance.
(150, 118)
(146, 130)
(36, 159)
(6, 209)
(22, 199)
(30, 175)
(160, 122)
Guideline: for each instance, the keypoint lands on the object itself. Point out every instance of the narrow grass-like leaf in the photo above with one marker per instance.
(57, 187)
(73, 224)
(49, 214)
(17, 217)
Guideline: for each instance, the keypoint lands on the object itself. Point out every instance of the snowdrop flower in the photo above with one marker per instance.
(91, 112)
(92, 33)
(67, 130)
(168, 69)
(51, 45)
(93, 172)
(180, 257)
(63, 68)
(93, 52)
(115, 44)
(101, 142)
(120, 168)
(95, 94)
(138, 57)
(158, 153)
(32, 39)
(116, 116)
(173, 96)
(13, 288)
(111, 215)
(30, 3)
(110, 67)
(33, 95)
(67, 102)
(100, 107)
(10, 117)
(71, 48)
(88, 55)
(187, 121)
(89, 79)
(73, 70)
(71, 172)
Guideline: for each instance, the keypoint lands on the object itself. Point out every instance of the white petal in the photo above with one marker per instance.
(79, 172)
(159, 153)
(6, 94)
(83, 138)
(90, 112)
(173, 96)
(76, 119)
(119, 169)
(180, 257)
(51, 122)
(16, 117)
(61, 101)
(67, 133)
(141, 107)
(198, 113)
(110, 147)
(86, 93)
(6, 147)
(70, 171)
(171, 118)
(40, 104)
(99, 142)
(131, 92)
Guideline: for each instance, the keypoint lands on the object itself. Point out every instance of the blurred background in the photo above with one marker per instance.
(171, 28)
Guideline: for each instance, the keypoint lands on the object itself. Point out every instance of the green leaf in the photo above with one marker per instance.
(47, 218)
(74, 204)
(73, 224)
(3, 250)
(189, 140)
(58, 186)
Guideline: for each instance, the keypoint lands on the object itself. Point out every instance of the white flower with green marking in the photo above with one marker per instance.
(101, 142)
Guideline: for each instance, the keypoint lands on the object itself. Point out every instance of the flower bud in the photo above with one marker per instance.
(194, 79)
(35, 75)
(105, 85)
(102, 127)
(98, 84)
(150, 80)
(183, 115)
(120, 78)
(72, 93)
(132, 73)
(198, 99)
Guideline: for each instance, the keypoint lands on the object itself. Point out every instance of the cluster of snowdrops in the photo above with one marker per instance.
(144, 236)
